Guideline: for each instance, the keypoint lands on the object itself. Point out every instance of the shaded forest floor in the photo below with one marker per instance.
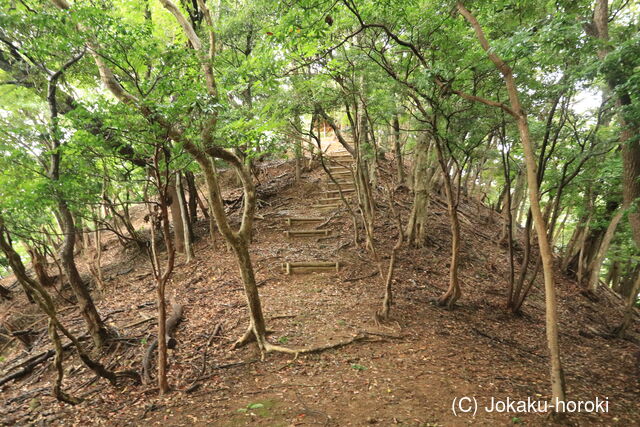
(409, 370)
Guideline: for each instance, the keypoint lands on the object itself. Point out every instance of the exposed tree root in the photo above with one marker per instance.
(245, 339)
(267, 347)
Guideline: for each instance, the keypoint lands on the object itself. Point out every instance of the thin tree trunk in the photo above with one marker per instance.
(387, 300)
(453, 293)
(97, 329)
(557, 377)
(627, 318)
(193, 197)
(594, 278)
(188, 248)
(176, 218)
(397, 148)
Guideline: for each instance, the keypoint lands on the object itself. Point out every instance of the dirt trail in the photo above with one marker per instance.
(408, 374)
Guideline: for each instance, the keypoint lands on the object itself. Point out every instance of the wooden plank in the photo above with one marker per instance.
(325, 206)
(330, 193)
(342, 185)
(310, 266)
(292, 220)
(331, 200)
(307, 233)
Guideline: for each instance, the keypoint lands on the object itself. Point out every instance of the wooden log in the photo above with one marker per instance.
(306, 233)
(171, 325)
(309, 266)
(325, 206)
(343, 186)
(292, 220)
(330, 200)
(330, 193)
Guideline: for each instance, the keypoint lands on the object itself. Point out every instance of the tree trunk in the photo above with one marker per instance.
(184, 215)
(5, 293)
(397, 148)
(193, 197)
(239, 241)
(97, 329)
(423, 174)
(613, 275)
(557, 377)
(630, 145)
(518, 196)
(39, 264)
(45, 302)
(594, 277)
(176, 218)
(627, 318)
(453, 293)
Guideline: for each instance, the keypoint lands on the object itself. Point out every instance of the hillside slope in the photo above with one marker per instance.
(407, 371)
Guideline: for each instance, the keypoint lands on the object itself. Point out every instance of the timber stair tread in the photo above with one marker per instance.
(311, 266)
(300, 226)
(307, 232)
(327, 206)
(344, 190)
(303, 219)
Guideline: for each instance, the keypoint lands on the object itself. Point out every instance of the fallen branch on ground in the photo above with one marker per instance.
(28, 365)
(171, 325)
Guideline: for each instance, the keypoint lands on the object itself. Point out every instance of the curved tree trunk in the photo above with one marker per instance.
(557, 376)
(594, 275)
(97, 329)
(88, 310)
(453, 293)
(39, 264)
(627, 318)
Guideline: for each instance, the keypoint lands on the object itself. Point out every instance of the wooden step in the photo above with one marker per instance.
(342, 184)
(330, 200)
(341, 162)
(325, 206)
(345, 191)
(302, 219)
(310, 266)
(341, 169)
(331, 193)
(307, 233)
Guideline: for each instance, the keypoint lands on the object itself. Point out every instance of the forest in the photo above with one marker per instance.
(319, 212)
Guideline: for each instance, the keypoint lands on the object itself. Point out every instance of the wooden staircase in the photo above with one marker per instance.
(339, 166)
